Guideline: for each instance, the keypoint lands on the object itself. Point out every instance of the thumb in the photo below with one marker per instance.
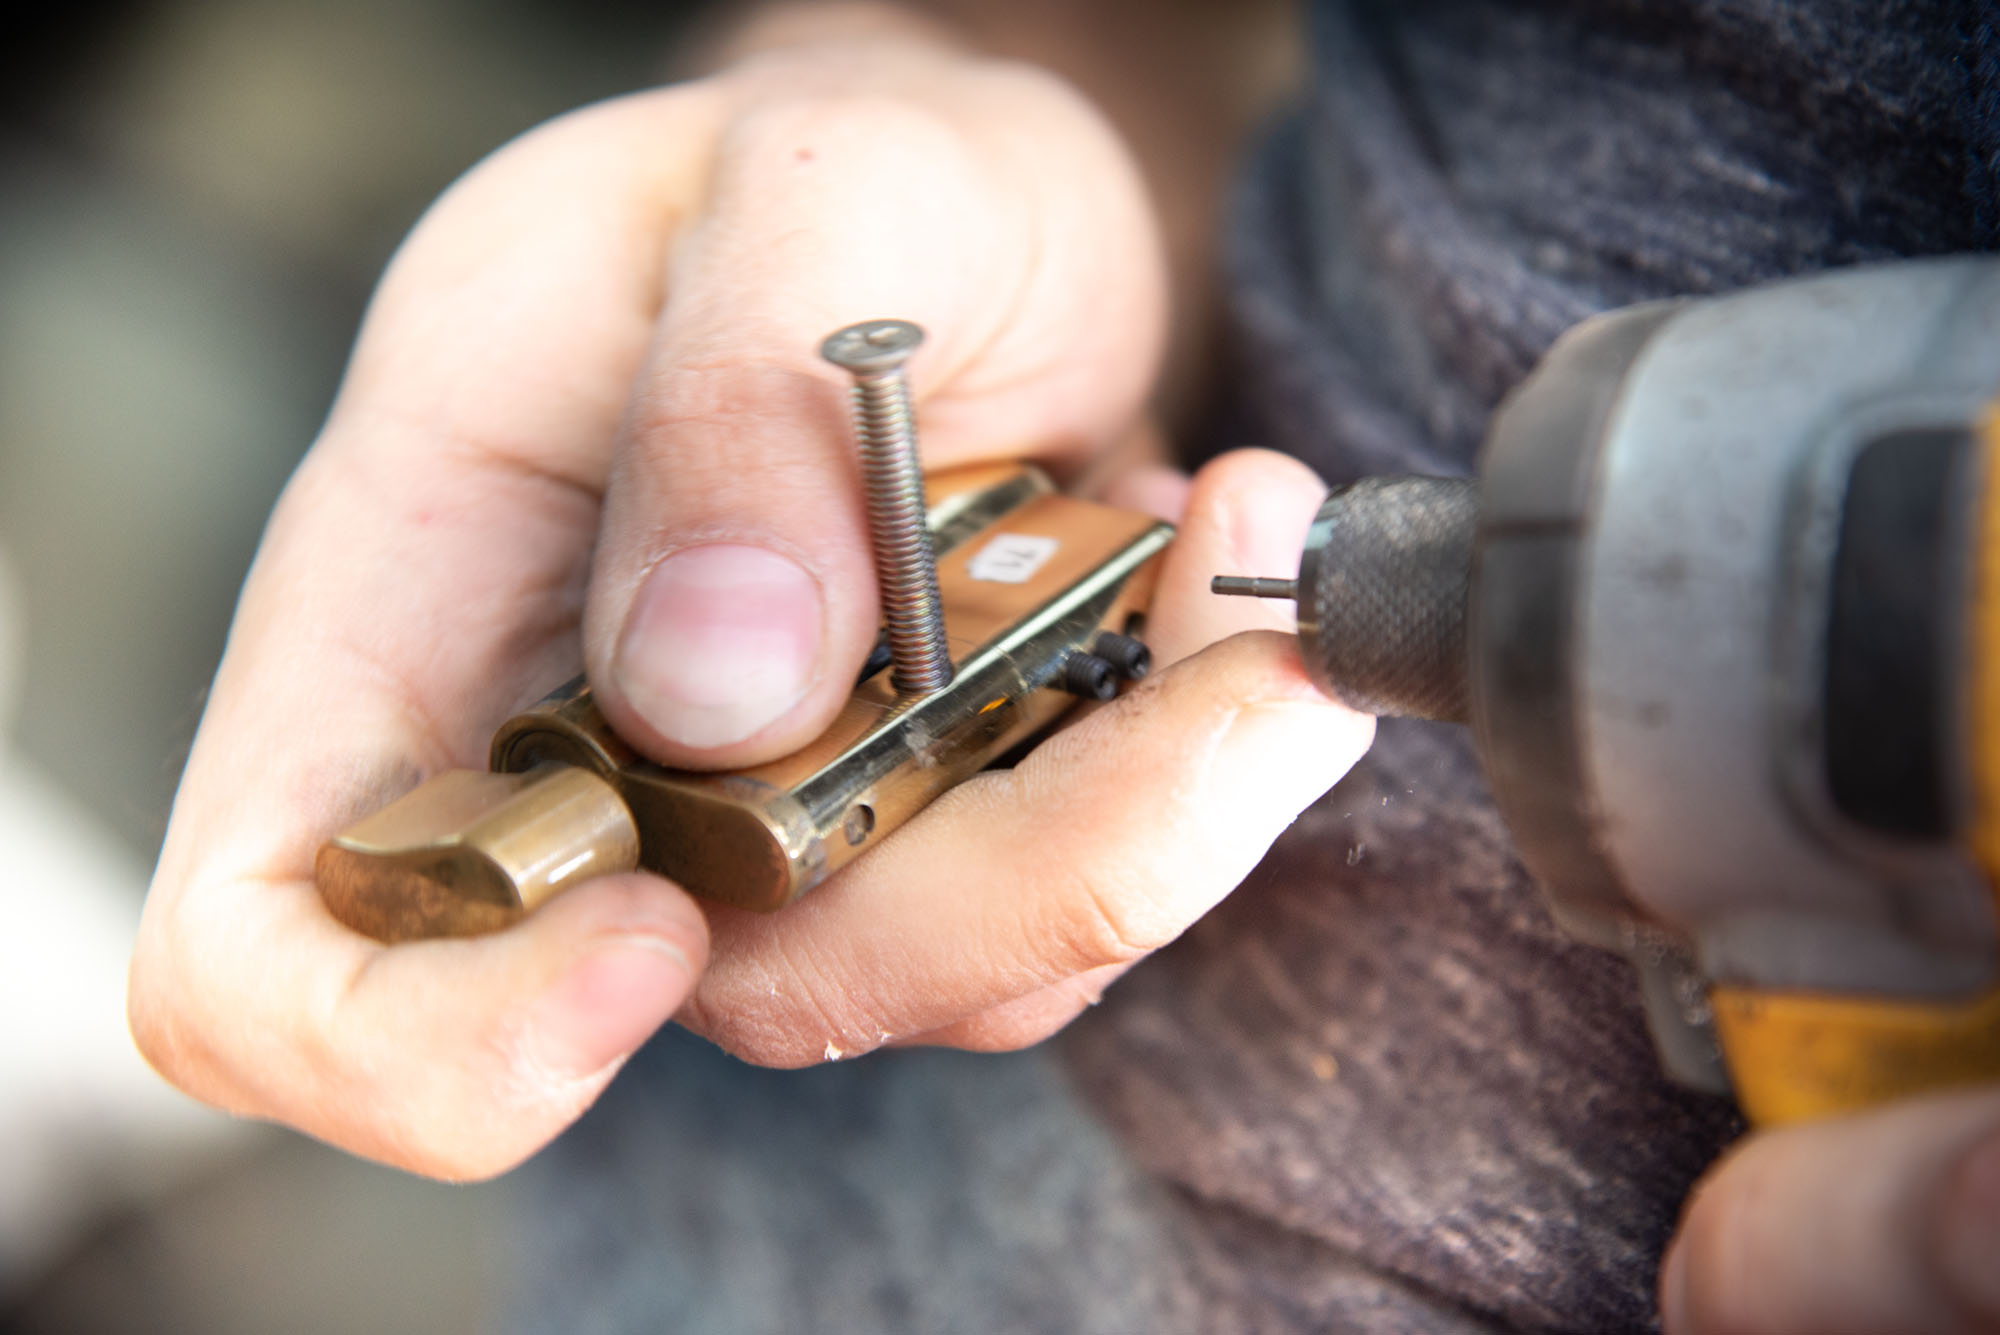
(1884, 1221)
(732, 597)
(451, 1058)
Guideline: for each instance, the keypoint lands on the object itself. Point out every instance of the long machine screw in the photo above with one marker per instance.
(873, 352)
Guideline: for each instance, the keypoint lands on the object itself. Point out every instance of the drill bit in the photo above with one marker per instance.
(1249, 586)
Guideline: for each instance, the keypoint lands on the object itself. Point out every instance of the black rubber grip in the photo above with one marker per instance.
(1900, 588)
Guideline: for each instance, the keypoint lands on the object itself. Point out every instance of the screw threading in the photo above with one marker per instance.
(874, 353)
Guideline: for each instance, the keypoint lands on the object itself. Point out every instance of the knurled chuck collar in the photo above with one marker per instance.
(1382, 592)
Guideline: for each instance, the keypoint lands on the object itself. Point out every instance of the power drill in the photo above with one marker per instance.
(1722, 609)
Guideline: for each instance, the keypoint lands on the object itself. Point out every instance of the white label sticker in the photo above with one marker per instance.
(1011, 558)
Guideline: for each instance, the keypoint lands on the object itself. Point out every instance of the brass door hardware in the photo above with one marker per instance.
(1038, 600)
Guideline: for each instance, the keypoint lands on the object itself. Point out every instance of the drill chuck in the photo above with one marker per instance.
(1382, 595)
(1381, 592)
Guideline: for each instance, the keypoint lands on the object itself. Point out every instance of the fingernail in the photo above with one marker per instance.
(609, 1003)
(721, 641)
(1268, 537)
(1265, 531)
(1970, 1240)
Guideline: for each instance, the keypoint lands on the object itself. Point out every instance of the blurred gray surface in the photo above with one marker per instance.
(195, 199)
(154, 391)
(298, 1238)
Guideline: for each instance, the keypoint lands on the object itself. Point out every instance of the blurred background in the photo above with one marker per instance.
(195, 199)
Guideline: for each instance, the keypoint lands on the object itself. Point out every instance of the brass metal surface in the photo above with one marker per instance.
(760, 837)
(470, 852)
(1027, 578)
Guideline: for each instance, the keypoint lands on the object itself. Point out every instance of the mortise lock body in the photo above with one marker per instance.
(1041, 595)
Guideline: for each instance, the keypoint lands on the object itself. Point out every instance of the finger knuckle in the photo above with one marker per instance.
(779, 1011)
(722, 393)
(149, 1016)
(1006, 1034)
(804, 127)
(1109, 919)
(1012, 1028)
(155, 1003)
(760, 1040)
(781, 1038)
(444, 1153)
(551, 149)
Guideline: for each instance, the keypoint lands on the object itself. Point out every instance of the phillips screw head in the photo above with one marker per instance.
(873, 347)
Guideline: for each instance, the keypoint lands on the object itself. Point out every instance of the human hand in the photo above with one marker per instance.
(1886, 1221)
(585, 426)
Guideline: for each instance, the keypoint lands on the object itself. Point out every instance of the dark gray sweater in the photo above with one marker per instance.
(1376, 1090)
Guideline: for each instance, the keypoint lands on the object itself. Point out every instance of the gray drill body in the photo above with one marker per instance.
(1630, 607)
